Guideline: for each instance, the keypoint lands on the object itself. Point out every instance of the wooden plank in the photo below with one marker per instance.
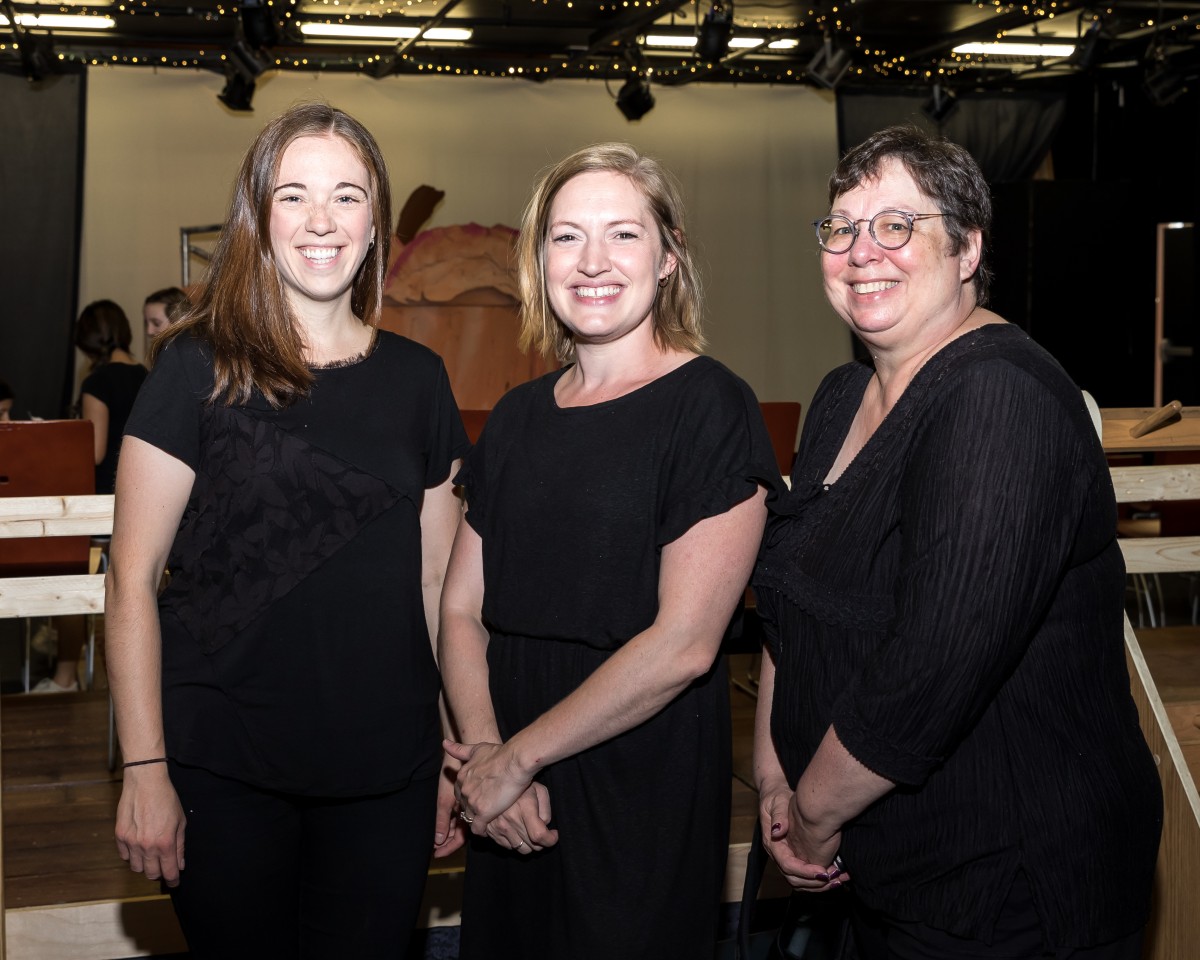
(1174, 927)
(1161, 554)
(140, 927)
(56, 516)
(1142, 484)
(51, 596)
(1183, 434)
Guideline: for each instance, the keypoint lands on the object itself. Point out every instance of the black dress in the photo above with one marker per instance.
(952, 605)
(574, 506)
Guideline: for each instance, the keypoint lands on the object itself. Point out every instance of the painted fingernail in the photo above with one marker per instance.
(823, 877)
(836, 883)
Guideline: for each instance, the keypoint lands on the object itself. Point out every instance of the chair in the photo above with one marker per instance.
(47, 458)
(783, 423)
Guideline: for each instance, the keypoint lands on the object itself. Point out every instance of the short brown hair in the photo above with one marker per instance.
(945, 172)
(242, 310)
(677, 306)
(101, 329)
(175, 303)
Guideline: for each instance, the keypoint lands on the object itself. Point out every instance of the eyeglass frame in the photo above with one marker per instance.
(909, 218)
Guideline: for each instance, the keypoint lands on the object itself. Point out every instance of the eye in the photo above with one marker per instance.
(287, 198)
(563, 238)
(626, 235)
(349, 198)
(839, 227)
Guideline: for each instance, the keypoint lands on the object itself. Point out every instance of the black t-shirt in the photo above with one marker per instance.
(116, 385)
(295, 651)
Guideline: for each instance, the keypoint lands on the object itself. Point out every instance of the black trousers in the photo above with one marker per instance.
(1017, 936)
(274, 876)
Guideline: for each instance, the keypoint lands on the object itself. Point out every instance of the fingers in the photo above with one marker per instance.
(459, 751)
(445, 824)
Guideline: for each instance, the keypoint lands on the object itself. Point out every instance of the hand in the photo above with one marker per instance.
(446, 836)
(488, 783)
(523, 826)
(150, 824)
(801, 871)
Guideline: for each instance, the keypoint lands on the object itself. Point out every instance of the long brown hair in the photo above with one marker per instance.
(241, 311)
(677, 303)
(102, 328)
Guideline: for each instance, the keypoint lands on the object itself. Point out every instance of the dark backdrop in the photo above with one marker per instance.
(41, 181)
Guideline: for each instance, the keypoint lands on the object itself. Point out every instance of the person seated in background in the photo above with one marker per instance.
(6, 401)
(163, 308)
(106, 397)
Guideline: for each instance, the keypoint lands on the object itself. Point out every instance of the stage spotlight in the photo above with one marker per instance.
(258, 24)
(715, 31)
(940, 105)
(238, 92)
(1164, 84)
(829, 66)
(634, 99)
(1088, 49)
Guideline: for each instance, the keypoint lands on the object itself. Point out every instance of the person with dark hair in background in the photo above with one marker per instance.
(945, 718)
(112, 383)
(615, 507)
(290, 466)
(6, 401)
(106, 398)
(163, 308)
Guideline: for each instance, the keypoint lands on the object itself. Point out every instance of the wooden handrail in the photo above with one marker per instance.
(56, 516)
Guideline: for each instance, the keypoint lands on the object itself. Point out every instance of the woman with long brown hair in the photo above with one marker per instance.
(289, 466)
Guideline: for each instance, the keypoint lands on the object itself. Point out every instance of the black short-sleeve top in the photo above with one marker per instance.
(295, 650)
(115, 385)
(574, 504)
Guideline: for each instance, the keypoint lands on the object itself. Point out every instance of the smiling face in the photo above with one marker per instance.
(604, 258)
(155, 316)
(320, 221)
(888, 296)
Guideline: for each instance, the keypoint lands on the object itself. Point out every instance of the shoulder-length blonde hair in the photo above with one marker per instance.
(677, 305)
(242, 311)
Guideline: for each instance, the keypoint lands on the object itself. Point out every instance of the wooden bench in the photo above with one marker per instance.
(1164, 667)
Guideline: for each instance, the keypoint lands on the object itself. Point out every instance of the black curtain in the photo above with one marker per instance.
(1008, 133)
(41, 179)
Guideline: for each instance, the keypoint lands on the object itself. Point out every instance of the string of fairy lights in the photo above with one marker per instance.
(834, 21)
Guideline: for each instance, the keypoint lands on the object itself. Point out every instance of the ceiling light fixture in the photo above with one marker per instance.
(61, 21)
(1038, 51)
(356, 31)
(829, 65)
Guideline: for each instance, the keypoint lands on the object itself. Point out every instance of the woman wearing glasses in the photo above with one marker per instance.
(945, 724)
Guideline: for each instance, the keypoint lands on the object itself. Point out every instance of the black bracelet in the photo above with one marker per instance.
(140, 763)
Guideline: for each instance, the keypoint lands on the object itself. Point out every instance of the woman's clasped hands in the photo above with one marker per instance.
(498, 800)
(805, 856)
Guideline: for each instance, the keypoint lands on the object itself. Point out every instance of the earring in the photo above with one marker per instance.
(371, 245)
(662, 281)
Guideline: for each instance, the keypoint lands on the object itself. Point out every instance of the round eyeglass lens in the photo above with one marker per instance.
(890, 229)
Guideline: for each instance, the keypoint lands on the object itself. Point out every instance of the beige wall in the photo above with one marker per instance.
(162, 152)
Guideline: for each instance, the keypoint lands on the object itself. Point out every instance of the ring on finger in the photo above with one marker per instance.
(462, 815)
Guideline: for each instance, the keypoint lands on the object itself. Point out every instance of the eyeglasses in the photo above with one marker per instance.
(891, 229)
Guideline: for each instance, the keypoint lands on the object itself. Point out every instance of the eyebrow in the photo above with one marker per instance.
(607, 226)
(301, 186)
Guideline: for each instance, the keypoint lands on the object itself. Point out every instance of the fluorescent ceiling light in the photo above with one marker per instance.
(360, 31)
(687, 42)
(666, 40)
(61, 21)
(1018, 49)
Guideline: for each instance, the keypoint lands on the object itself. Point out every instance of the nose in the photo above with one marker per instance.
(320, 221)
(593, 258)
(864, 249)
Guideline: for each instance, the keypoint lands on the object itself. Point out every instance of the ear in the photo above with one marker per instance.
(669, 262)
(968, 256)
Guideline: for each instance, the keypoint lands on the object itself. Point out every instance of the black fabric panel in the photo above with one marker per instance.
(1008, 134)
(41, 180)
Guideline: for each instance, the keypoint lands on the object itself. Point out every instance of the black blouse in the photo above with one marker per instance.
(952, 605)
(295, 650)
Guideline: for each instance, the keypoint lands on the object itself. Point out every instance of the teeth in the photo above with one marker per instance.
(610, 291)
(874, 287)
(319, 254)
